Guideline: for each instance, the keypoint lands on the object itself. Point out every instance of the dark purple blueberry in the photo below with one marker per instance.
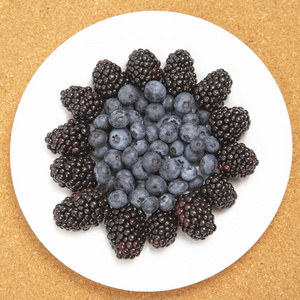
(113, 158)
(155, 91)
(120, 139)
(170, 169)
(155, 111)
(118, 119)
(138, 130)
(111, 105)
(150, 205)
(101, 122)
(128, 94)
(177, 148)
(151, 133)
(138, 196)
(156, 185)
(208, 164)
(189, 173)
(117, 199)
(189, 131)
(130, 156)
(168, 132)
(160, 147)
(178, 186)
(184, 103)
(97, 138)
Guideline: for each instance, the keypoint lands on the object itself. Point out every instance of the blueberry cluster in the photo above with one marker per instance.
(151, 147)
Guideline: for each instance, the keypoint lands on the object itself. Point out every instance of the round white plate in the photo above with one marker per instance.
(186, 261)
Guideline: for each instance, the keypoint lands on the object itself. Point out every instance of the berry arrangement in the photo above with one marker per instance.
(149, 150)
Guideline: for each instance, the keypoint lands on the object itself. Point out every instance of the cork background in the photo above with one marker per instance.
(31, 30)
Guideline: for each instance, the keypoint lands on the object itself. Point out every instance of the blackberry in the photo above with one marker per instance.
(228, 124)
(195, 215)
(236, 160)
(211, 92)
(82, 210)
(162, 228)
(74, 172)
(142, 66)
(126, 231)
(179, 73)
(69, 139)
(218, 191)
(82, 102)
(108, 78)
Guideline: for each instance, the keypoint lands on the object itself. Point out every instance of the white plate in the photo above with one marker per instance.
(186, 261)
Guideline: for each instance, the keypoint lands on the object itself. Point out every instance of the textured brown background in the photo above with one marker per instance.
(31, 30)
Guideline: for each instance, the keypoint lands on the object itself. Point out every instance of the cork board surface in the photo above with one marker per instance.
(31, 30)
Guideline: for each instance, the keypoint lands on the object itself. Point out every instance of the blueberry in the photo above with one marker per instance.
(120, 138)
(100, 152)
(166, 202)
(101, 122)
(118, 119)
(208, 164)
(170, 169)
(141, 146)
(111, 105)
(189, 173)
(168, 103)
(211, 144)
(192, 156)
(108, 186)
(183, 162)
(117, 199)
(196, 183)
(184, 103)
(189, 131)
(124, 172)
(130, 156)
(155, 91)
(203, 116)
(190, 118)
(151, 161)
(102, 172)
(150, 205)
(113, 158)
(138, 171)
(141, 104)
(197, 145)
(124, 183)
(134, 116)
(173, 119)
(138, 130)
(128, 94)
(97, 138)
(168, 132)
(155, 111)
(203, 131)
(178, 186)
(151, 133)
(138, 196)
(177, 148)
(156, 185)
(160, 147)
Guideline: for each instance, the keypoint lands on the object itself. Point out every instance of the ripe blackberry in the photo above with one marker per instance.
(236, 160)
(108, 78)
(179, 74)
(228, 124)
(142, 66)
(82, 210)
(162, 228)
(195, 215)
(82, 102)
(74, 172)
(126, 231)
(69, 139)
(218, 191)
(213, 90)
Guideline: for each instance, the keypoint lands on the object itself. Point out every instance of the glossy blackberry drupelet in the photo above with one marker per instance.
(108, 78)
(179, 74)
(229, 124)
(82, 210)
(70, 138)
(142, 67)
(82, 102)
(74, 172)
(162, 228)
(211, 92)
(126, 231)
(218, 191)
(236, 160)
(195, 215)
